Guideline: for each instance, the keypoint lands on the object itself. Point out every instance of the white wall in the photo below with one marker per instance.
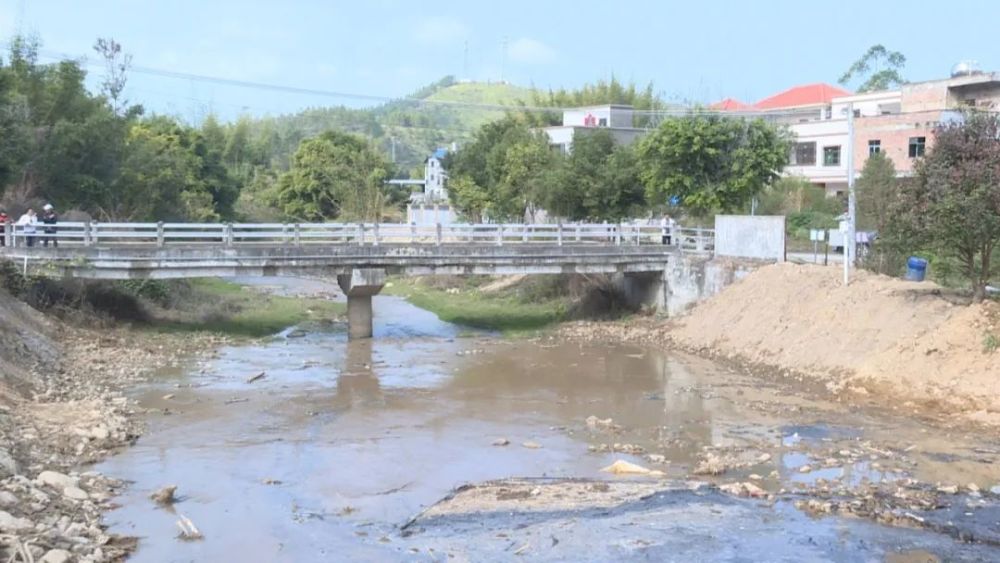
(745, 236)
(827, 133)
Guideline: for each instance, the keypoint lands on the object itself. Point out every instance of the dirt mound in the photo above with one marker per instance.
(25, 341)
(901, 339)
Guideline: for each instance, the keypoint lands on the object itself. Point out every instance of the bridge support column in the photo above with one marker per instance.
(359, 286)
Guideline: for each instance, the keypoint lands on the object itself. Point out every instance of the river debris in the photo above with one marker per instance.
(501, 442)
(188, 531)
(531, 445)
(165, 496)
(257, 377)
(622, 467)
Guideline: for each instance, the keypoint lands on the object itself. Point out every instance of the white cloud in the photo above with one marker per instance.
(531, 51)
(440, 30)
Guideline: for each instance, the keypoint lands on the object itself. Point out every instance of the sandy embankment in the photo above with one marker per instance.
(898, 343)
(901, 340)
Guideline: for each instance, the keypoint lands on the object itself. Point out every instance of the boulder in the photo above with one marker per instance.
(75, 493)
(56, 556)
(55, 479)
(8, 523)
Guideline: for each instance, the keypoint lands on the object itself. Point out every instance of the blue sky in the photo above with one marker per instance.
(699, 51)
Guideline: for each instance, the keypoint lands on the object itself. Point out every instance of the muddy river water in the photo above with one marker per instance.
(331, 454)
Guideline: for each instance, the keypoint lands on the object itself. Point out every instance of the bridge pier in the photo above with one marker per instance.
(359, 286)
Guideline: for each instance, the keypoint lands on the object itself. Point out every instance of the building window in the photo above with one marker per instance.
(917, 145)
(804, 154)
(831, 156)
(874, 146)
(857, 113)
(602, 122)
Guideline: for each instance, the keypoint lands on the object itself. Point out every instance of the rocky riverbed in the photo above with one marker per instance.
(63, 415)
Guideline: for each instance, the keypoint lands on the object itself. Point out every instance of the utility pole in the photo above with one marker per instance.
(393, 141)
(850, 249)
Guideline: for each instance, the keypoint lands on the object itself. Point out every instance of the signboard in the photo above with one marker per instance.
(843, 227)
(817, 235)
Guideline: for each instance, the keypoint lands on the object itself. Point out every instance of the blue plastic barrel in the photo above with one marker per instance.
(916, 268)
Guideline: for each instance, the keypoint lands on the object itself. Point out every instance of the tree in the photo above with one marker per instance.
(598, 181)
(954, 204)
(335, 175)
(710, 162)
(117, 63)
(503, 169)
(879, 69)
(877, 190)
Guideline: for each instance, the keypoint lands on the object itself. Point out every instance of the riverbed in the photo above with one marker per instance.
(336, 451)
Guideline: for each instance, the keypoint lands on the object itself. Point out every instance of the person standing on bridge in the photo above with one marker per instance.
(666, 229)
(4, 219)
(49, 218)
(27, 223)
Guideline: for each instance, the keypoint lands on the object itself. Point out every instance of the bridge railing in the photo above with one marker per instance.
(160, 234)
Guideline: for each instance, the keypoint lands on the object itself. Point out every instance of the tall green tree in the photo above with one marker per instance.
(335, 175)
(877, 189)
(878, 69)
(502, 170)
(954, 204)
(712, 163)
(599, 180)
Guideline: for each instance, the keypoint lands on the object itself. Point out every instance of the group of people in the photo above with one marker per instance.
(28, 223)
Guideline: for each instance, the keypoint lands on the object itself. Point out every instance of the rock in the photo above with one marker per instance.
(56, 556)
(165, 496)
(656, 458)
(995, 490)
(805, 469)
(531, 445)
(973, 487)
(75, 493)
(743, 490)
(622, 467)
(595, 423)
(297, 333)
(8, 523)
(763, 458)
(256, 376)
(8, 466)
(100, 433)
(501, 442)
(948, 489)
(755, 477)
(55, 479)
(168, 396)
(7, 499)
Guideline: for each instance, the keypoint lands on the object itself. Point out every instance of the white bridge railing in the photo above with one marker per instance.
(372, 234)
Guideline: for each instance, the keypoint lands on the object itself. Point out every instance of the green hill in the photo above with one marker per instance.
(416, 129)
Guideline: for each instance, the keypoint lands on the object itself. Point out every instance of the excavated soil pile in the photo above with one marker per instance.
(904, 340)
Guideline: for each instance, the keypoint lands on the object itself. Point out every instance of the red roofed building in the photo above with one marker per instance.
(799, 96)
(730, 104)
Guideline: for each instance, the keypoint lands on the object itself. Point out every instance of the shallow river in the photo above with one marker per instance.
(340, 444)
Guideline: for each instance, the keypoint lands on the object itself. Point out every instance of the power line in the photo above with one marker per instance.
(669, 112)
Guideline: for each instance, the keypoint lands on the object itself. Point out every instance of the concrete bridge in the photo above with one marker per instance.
(359, 255)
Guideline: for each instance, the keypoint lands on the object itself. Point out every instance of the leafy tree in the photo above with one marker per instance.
(953, 207)
(598, 180)
(334, 175)
(877, 190)
(711, 163)
(878, 69)
(503, 169)
(601, 92)
(470, 198)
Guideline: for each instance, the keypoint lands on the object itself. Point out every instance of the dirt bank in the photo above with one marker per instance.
(904, 344)
(61, 407)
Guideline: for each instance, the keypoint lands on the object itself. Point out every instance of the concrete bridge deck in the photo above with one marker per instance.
(359, 255)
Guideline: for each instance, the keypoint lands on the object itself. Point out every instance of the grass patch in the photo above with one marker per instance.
(509, 314)
(218, 306)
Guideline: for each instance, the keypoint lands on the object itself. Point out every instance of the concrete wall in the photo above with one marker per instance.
(759, 237)
(684, 282)
(430, 214)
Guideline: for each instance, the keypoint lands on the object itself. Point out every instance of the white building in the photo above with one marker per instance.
(430, 205)
(618, 119)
